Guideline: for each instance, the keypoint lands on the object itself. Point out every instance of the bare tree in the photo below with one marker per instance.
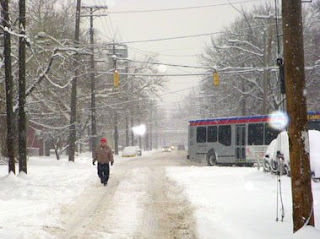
(6, 23)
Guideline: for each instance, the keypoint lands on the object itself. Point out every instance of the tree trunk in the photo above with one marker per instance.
(9, 83)
(22, 124)
(297, 110)
(73, 116)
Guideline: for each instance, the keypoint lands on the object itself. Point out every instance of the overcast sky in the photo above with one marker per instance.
(125, 27)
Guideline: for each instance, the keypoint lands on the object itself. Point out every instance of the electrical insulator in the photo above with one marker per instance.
(116, 79)
(215, 78)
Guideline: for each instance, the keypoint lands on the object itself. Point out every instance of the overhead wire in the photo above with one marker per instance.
(180, 8)
(167, 64)
(172, 38)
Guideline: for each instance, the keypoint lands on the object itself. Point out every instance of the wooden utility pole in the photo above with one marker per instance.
(296, 106)
(22, 88)
(93, 89)
(116, 133)
(92, 76)
(73, 116)
(9, 84)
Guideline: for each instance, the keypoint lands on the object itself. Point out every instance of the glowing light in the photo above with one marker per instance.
(139, 130)
(278, 120)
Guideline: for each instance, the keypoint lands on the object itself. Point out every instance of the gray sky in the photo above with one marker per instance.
(166, 24)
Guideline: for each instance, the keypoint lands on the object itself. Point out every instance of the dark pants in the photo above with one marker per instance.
(103, 172)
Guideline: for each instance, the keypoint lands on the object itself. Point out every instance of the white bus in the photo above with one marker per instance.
(234, 140)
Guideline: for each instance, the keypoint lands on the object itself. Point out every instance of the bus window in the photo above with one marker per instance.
(201, 134)
(212, 134)
(225, 135)
(270, 134)
(255, 134)
(315, 125)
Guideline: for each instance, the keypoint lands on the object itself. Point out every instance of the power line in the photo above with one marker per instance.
(160, 54)
(185, 36)
(174, 38)
(180, 8)
(167, 64)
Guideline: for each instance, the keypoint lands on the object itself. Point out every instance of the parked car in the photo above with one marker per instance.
(279, 149)
(129, 151)
(139, 152)
(279, 145)
(166, 149)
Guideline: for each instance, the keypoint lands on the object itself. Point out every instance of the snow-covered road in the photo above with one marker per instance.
(138, 202)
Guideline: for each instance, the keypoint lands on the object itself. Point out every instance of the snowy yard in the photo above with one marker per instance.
(228, 202)
(234, 202)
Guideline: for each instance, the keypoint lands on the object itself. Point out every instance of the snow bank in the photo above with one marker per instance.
(237, 203)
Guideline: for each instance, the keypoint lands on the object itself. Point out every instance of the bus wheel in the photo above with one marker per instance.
(212, 160)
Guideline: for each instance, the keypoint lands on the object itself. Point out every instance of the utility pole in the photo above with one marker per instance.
(9, 84)
(132, 115)
(151, 126)
(73, 116)
(116, 133)
(22, 89)
(157, 128)
(93, 89)
(92, 77)
(127, 114)
(302, 199)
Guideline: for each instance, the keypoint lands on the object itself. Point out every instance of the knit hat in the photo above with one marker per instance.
(103, 140)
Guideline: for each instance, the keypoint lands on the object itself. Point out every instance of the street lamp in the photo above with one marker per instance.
(139, 130)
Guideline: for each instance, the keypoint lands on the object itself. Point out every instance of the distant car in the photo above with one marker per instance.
(166, 149)
(181, 147)
(172, 147)
(130, 151)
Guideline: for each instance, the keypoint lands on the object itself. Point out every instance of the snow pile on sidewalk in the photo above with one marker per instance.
(238, 203)
(27, 200)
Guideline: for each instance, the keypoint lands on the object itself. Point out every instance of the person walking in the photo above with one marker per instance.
(103, 155)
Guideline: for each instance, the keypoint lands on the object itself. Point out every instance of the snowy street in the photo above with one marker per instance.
(158, 195)
(138, 202)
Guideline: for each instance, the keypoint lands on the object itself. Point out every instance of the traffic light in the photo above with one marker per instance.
(215, 78)
(116, 79)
